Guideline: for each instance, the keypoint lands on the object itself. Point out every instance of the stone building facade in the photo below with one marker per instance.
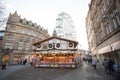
(18, 38)
(103, 29)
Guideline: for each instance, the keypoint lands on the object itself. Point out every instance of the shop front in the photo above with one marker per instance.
(111, 51)
(54, 60)
(54, 56)
(5, 57)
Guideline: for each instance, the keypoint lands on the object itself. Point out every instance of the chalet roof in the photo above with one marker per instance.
(38, 42)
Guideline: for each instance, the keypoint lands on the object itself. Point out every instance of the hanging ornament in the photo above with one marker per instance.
(70, 44)
(50, 45)
(58, 45)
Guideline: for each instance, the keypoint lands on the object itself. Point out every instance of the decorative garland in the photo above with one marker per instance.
(70, 44)
(58, 45)
(50, 45)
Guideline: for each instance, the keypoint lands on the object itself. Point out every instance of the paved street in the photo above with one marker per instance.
(11, 69)
(83, 72)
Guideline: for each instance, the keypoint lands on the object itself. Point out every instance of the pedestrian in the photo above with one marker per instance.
(4, 65)
(24, 62)
(20, 62)
(110, 65)
(84, 59)
(37, 62)
(94, 63)
(116, 67)
(105, 64)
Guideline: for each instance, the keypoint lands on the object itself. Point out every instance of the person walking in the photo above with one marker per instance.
(94, 63)
(110, 65)
(24, 62)
(105, 64)
(4, 65)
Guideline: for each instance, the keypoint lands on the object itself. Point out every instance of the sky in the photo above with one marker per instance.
(44, 13)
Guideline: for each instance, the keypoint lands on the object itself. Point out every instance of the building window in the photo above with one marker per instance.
(118, 20)
(110, 29)
(97, 39)
(102, 8)
(10, 37)
(108, 26)
(115, 23)
(1, 33)
(27, 46)
(23, 21)
(108, 2)
(28, 39)
(20, 45)
(8, 45)
(23, 30)
(12, 28)
(100, 34)
(107, 29)
(29, 32)
(21, 38)
(115, 18)
(34, 33)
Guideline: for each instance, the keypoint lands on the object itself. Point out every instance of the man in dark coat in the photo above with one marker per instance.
(110, 65)
(105, 64)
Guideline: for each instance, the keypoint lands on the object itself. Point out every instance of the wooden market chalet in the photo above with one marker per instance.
(55, 52)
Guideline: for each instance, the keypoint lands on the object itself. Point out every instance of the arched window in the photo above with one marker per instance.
(9, 37)
(12, 28)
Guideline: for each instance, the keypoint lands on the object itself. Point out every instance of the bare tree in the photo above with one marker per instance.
(2, 13)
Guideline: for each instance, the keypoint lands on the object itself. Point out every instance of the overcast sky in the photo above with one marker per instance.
(44, 13)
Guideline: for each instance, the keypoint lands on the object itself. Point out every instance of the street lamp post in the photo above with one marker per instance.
(112, 48)
(112, 51)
